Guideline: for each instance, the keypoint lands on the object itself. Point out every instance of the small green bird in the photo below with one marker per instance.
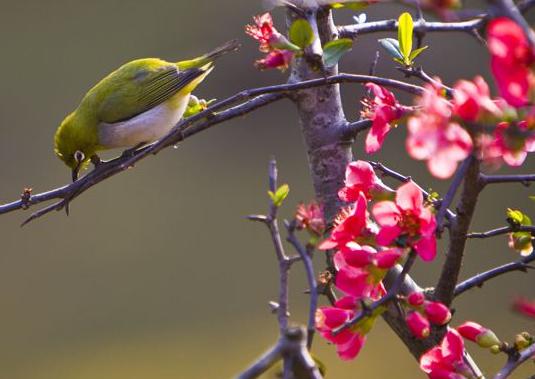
(137, 104)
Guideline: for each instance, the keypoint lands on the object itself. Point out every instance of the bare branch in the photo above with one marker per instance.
(525, 180)
(513, 362)
(479, 279)
(501, 231)
(444, 290)
(251, 100)
(311, 278)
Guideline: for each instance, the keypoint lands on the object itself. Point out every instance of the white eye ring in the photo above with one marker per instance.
(79, 156)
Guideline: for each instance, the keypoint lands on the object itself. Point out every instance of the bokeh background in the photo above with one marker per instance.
(156, 273)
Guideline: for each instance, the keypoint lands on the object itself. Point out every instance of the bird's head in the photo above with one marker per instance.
(73, 146)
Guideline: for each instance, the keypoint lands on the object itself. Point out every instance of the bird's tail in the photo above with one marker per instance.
(203, 60)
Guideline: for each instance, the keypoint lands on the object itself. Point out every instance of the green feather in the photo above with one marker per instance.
(132, 89)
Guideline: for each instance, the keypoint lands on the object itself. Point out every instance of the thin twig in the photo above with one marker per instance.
(452, 190)
(479, 279)
(418, 72)
(525, 180)
(390, 296)
(513, 362)
(249, 100)
(501, 231)
(311, 278)
(444, 290)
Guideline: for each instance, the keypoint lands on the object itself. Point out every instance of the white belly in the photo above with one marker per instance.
(146, 127)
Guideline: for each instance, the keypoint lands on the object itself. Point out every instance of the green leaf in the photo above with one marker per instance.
(405, 30)
(278, 197)
(516, 217)
(334, 50)
(353, 5)
(416, 52)
(391, 45)
(301, 33)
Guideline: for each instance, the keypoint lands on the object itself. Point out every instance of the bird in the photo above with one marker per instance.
(135, 105)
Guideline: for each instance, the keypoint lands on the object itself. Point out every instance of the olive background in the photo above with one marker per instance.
(156, 273)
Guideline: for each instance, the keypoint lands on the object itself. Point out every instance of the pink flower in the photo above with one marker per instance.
(511, 57)
(407, 222)
(348, 342)
(383, 109)
(437, 313)
(471, 100)
(525, 307)
(265, 33)
(435, 138)
(416, 299)
(418, 324)
(446, 360)
(355, 282)
(310, 217)
(474, 332)
(360, 177)
(350, 224)
(275, 59)
(510, 144)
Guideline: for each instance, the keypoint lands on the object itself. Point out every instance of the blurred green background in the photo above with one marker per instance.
(156, 273)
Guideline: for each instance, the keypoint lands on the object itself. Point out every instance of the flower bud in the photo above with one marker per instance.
(521, 342)
(479, 334)
(495, 349)
(437, 312)
(416, 299)
(418, 324)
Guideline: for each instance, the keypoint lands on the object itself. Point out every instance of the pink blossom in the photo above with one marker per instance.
(433, 137)
(511, 58)
(525, 307)
(265, 33)
(510, 143)
(416, 299)
(407, 221)
(418, 324)
(310, 217)
(360, 177)
(437, 313)
(275, 59)
(471, 100)
(474, 332)
(351, 223)
(446, 360)
(383, 109)
(355, 282)
(348, 342)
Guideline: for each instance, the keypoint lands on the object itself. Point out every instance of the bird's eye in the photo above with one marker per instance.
(79, 156)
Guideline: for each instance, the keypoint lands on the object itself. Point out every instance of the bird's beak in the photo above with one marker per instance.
(75, 172)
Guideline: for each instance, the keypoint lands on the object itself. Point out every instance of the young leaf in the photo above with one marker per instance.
(301, 33)
(391, 45)
(353, 5)
(516, 217)
(405, 30)
(416, 52)
(333, 51)
(532, 198)
(279, 195)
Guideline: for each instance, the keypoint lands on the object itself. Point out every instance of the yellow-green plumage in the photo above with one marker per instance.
(137, 103)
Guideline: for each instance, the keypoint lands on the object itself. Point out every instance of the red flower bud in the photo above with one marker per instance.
(418, 324)
(416, 299)
(479, 334)
(437, 312)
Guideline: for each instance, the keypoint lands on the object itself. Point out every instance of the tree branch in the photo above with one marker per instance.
(251, 100)
(513, 362)
(311, 278)
(479, 279)
(525, 180)
(444, 290)
(501, 231)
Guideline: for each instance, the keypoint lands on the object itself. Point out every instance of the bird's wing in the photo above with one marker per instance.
(140, 90)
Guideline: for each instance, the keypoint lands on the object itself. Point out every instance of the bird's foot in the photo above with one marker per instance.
(129, 153)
